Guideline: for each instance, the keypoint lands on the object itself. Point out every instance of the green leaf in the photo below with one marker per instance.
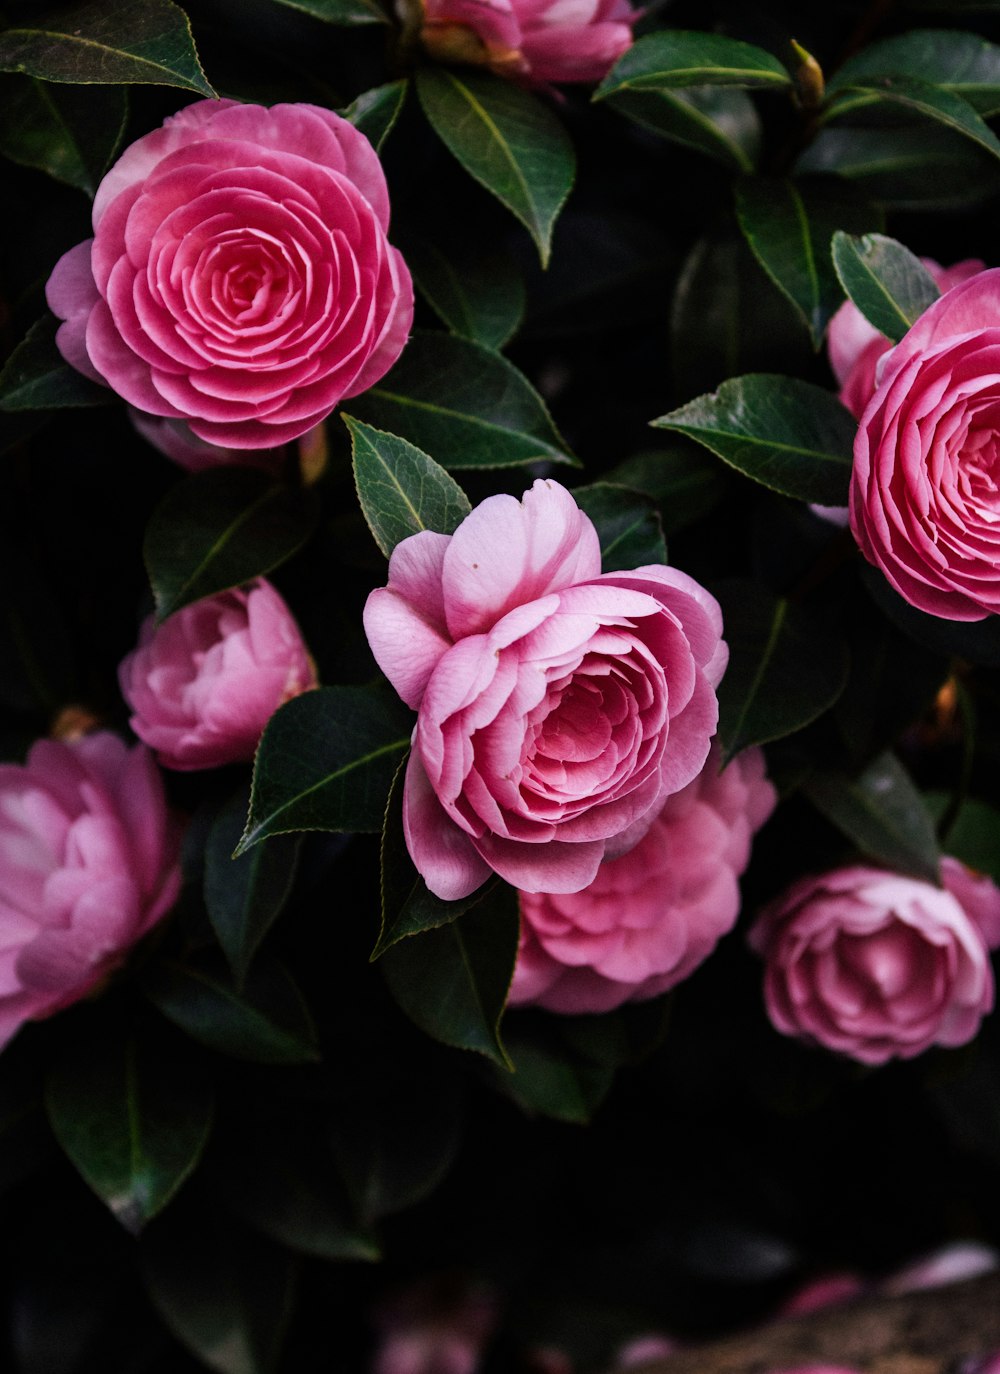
(978, 641)
(70, 132)
(717, 120)
(506, 139)
(628, 525)
(325, 762)
(882, 813)
(219, 529)
(550, 1079)
(962, 63)
(453, 981)
(789, 435)
(464, 405)
(267, 1022)
(785, 669)
(920, 98)
(911, 167)
(375, 112)
(676, 58)
(348, 13)
(478, 295)
(133, 1119)
(245, 896)
(685, 482)
(35, 377)
(789, 226)
(972, 835)
(889, 285)
(132, 42)
(401, 490)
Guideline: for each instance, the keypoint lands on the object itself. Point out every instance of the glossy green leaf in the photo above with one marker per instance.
(505, 138)
(245, 896)
(70, 132)
(219, 529)
(477, 294)
(717, 120)
(677, 58)
(919, 98)
(347, 13)
(132, 1118)
(225, 1293)
(401, 490)
(785, 667)
(627, 523)
(889, 284)
(784, 433)
(882, 813)
(326, 761)
(963, 63)
(911, 167)
(972, 835)
(789, 226)
(684, 480)
(375, 112)
(453, 981)
(464, 405)
(131, 42)
(266, 1022)
(35, 377)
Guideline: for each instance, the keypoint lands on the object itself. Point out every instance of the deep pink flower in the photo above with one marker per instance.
(650, 917)
(925, 489)
(876, 965)
(531, 41)
(557, 707)
(239, 277)
(88, 864)
(203, 685)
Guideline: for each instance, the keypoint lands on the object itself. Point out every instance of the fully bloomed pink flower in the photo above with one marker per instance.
(534, 42)
(557, 707)
(88, 864)
(876, 965)
(239, 278)
(652, 915)
(203, 685)
(925, 488)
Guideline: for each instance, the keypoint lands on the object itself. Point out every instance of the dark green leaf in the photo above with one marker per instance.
(627, 524)
(267, 1022)
(785, 669)
(507, 139)
(401, 490)
(551, 1079)
(245, 896)
(132, 1118)
(972, 835)
(220, 528)
(685, 482)
(912, 167)
(375, 112)
(787, 434)
(889, 285)
(464, 405)
(882, 813)
(453, 981)
(671, 59)
(962, 63)
(70, 132)
(35, 377)
(326, 761)
(348, 13)
(477, 294)
(720, 121)
(975, 640)
(789, 226)
(920, 98)
(134, 41)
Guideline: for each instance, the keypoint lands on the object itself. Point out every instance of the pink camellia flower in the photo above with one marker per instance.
(962, 1259)
(534, 42)
(854, 346)
(203, 685)
(650, 917)
(239, 278)
(925, 489)
(88, 864)
(825, 1290)
(557, 707)
(876, 965)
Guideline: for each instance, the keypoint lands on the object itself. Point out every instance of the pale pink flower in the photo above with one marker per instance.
(203, 685)
(963, 1259)
(239, 278)
(557, 707)
(88, 864)
(650, 917)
